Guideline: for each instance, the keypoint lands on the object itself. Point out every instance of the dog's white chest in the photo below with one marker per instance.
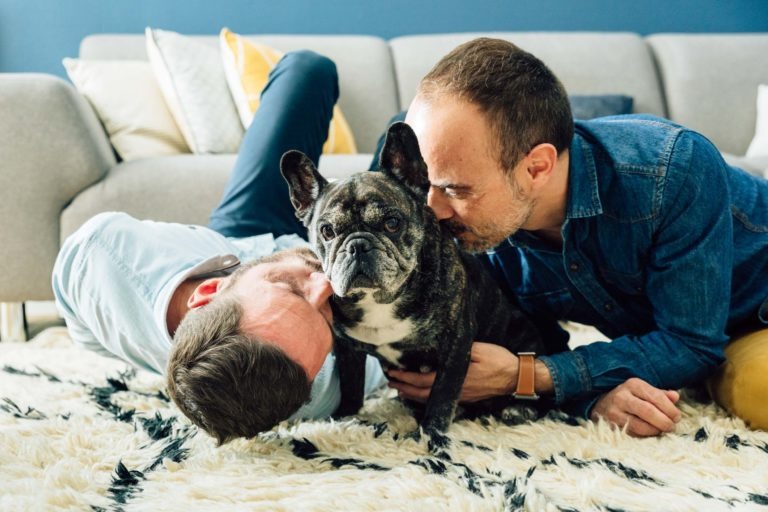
(379, 325)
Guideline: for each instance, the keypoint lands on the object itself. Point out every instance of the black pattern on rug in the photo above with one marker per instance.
(169, 438)
(126, 482)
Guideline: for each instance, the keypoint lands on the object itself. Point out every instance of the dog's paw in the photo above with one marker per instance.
(438, 444)
(414, 435)
(339, 415)
(345, 409)
(518, 414)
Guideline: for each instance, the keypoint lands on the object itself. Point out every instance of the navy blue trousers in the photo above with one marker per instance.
(295, 112)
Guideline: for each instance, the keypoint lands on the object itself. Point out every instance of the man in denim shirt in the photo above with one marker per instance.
(631, 224)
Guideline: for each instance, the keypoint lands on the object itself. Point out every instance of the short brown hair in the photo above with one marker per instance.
(228, 383)
(523, 100)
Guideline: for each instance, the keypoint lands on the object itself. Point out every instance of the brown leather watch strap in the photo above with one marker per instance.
(526, 378)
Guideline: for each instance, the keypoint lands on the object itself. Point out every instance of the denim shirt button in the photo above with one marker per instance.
(574, 267)
(608, 306)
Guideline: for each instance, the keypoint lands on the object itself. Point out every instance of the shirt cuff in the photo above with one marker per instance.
(570, 375)
(581, 407)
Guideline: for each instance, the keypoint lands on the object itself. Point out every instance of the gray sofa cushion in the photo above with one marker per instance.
(710, 83)
(184, 188)
(586, 62)
(366, 80)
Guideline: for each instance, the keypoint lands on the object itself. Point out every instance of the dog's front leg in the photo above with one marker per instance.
(350, 363)
(444, 396)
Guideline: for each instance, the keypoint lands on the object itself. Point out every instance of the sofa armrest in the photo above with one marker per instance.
(52, 147)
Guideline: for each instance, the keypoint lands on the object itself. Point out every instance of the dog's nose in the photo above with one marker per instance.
(358, 247)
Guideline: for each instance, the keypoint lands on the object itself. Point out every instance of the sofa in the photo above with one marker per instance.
(58, 168)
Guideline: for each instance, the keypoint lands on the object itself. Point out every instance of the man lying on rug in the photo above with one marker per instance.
(608, 227)
(124, 286)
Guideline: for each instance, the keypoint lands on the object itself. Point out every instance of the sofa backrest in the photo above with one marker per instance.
(586, 62)
(707, 82)
(710, 83)
(366, 78)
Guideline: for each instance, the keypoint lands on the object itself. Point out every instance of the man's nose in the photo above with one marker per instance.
(439, 205)
(318, 290)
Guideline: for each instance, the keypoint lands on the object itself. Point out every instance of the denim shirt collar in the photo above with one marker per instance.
(583, 191)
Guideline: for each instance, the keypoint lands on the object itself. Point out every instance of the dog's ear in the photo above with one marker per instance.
(402, 159)
(304, 182)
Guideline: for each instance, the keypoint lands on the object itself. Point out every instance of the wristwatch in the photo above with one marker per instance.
(526, 389)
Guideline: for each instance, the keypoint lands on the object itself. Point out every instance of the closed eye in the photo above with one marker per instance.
(457, 192)
(453, 189)
(286, 283)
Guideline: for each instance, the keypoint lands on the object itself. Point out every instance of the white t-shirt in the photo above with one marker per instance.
(114, 278)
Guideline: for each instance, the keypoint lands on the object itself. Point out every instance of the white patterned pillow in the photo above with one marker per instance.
(191, 77)
(759, 144)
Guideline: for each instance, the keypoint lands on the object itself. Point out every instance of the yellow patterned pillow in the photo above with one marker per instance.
(247, 66)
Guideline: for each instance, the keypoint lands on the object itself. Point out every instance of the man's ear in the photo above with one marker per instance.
(304, 182)
(541, 161)
(205, 292)
(401, 158)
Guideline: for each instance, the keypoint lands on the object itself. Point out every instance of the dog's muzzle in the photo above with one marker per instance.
(356, 264)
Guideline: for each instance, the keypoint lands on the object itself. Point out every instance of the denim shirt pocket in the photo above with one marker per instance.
(556, 302)
(632, 284)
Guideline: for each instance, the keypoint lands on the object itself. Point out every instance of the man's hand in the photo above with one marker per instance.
(644, 409)
(492, 372)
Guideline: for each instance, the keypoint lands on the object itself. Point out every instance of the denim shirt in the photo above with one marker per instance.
(665, 251)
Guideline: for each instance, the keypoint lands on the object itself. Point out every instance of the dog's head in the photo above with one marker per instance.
(368, 229)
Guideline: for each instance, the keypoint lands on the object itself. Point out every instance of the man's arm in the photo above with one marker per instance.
(646, 410)
(492, 372)
(67, 271)
(687, 284)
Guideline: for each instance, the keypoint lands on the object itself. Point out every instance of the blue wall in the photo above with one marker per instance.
(36, 34)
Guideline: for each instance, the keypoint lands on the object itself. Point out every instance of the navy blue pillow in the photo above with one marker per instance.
(591, 106)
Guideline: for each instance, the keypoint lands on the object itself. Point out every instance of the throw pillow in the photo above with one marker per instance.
(191, 78)
(591, 106)
(759, 144)
(247, 66)
(125, 96)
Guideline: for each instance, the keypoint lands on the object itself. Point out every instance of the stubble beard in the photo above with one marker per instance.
(489, 234)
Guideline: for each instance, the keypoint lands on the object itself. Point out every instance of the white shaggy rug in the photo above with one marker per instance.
(82, 432)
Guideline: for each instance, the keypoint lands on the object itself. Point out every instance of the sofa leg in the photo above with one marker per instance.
(13, 324)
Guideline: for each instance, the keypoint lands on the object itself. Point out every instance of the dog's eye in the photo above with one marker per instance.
(392, 224)
(327, 231)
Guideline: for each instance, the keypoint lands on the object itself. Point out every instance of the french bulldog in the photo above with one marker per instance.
(403, 290)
